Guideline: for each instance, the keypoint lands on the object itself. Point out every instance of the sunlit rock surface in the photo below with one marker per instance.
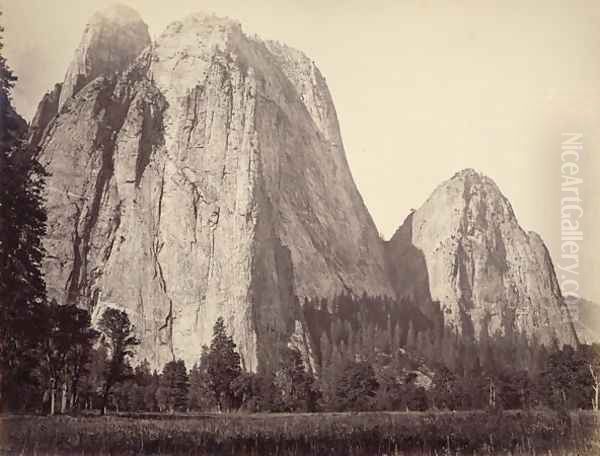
(200, 176)
(463, 252)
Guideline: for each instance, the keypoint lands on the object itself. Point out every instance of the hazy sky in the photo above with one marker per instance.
(422, 90)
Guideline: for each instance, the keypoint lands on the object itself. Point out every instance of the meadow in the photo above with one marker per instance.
(355, 434)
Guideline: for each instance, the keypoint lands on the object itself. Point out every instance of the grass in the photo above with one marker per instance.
(359, 434)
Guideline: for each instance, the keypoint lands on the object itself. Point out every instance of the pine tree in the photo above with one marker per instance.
(411, 338)
(389, 335)
(257, 393)
(223, 365)
(350, 337)
(444, 389)
(92, 381)
(7, 77)
(172, 394)
(327, 378)
(325, 350)
(142, 379)
(336, 330)
(201, 397)
(150, 403)
(296, 386)
(396, 339)
(448, 348)
(121, 341)
(22, 226)
(83, 337)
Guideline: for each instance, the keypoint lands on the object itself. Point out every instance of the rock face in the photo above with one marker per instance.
(464, 253)
(47, 109)
(198, 177)
(204, 175)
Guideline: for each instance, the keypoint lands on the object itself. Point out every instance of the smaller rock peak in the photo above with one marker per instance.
(463, 186)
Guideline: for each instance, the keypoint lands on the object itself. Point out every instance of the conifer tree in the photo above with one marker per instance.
(223, 365)
(92, 381)
(172, 394)
(201, 397)
(121, 341)
(142, 379)
(296, 386)
(7, 77)
(22, 226)
(411, 337)
(397, 338)
(325, 350)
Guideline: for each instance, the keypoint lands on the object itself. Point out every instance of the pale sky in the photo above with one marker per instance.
(422, 90)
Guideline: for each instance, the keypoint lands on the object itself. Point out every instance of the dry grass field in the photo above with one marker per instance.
(357, 434)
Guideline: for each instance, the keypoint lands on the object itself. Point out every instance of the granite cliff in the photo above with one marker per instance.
(198, 176)
(463, 253)
(203, 174)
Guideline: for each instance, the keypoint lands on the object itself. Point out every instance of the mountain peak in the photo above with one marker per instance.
(111, 41)
(464, 252)
(473, 177)
(472, 191)
(214, 179)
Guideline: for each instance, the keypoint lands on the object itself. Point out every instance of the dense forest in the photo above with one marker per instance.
(78, 368)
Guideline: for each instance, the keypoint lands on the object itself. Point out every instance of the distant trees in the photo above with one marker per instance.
(120, 340)
(591, 355)
(82, 374)
(444, 389)
(297, 387)
(257, 393)
(568, 378)
(509, 371)
(356, 387)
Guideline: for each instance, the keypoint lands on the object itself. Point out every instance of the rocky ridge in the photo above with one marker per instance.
(204, 175)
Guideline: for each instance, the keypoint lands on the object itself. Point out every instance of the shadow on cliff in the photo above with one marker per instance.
(409, 276)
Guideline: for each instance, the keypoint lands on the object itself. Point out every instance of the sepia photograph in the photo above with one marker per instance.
(300, 228)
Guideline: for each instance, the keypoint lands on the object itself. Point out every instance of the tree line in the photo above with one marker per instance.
(86, 370)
